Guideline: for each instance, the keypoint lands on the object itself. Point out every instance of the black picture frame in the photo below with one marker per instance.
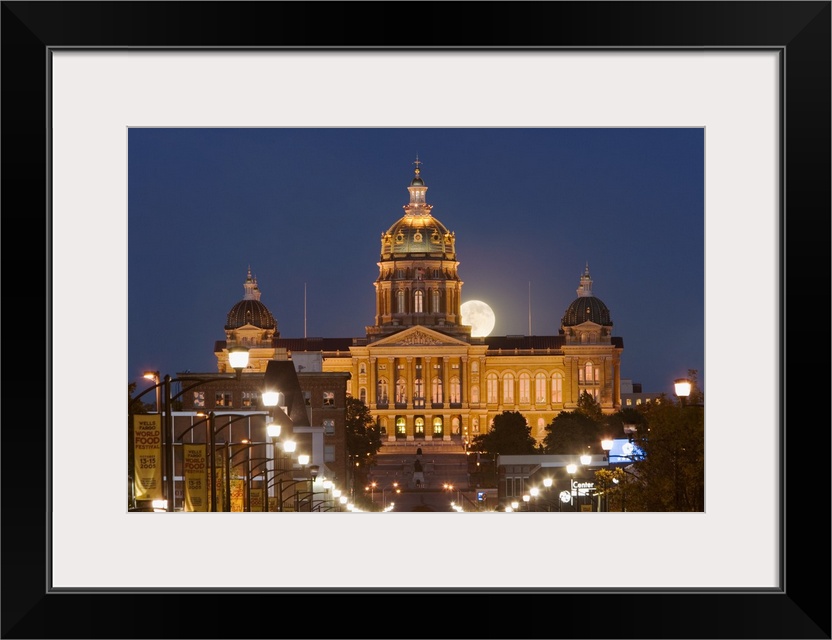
(799, 30)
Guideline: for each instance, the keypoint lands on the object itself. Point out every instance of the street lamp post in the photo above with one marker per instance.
(534, 492)
(238, 359)
(571, 469)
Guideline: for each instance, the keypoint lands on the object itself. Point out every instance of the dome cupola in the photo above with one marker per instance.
(586, 310)
(250, 311)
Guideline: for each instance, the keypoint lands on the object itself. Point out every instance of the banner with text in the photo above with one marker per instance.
(237, 498)
(196, 482)
(256, 500)
(147, 450)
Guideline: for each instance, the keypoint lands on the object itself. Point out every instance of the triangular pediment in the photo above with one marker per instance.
(418, 337)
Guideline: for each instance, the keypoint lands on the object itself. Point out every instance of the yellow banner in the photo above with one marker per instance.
(196, 481)
(256, 500)
(147, 450)
(237, 498)
(219, 485)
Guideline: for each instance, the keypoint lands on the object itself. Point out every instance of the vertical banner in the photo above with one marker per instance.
(147, 450)
(196, 481)
(256, 500)
(219, 484)
(237, 490)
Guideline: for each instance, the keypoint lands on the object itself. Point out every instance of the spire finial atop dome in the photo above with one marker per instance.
(585, 286)
(250, 287)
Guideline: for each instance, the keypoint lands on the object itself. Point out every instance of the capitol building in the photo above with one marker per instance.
(418, 368)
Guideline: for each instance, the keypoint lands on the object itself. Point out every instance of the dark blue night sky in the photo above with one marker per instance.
(305, 209)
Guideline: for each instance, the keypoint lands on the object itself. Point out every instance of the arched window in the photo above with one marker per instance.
(418, 301)
(401, 428)
(400, 301)
(491, 388)
(434, 299)
(508, 388)
(455, 390)
(436, 390)
(419, 427)
(525, 387)
(557, 387)
(540, 388)
(437, 426)
(401, 392)
(418, 389)
(381, 398)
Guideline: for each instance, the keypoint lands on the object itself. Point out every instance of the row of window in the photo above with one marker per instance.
(252, 399)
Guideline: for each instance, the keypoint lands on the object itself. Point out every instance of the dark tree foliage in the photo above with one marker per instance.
(510, 435)
(671, 476)
(579, 431)
(363, 435)
(137, 406)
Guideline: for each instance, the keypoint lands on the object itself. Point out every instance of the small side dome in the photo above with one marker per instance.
(586, 307)
(249, 310)
(586, 310)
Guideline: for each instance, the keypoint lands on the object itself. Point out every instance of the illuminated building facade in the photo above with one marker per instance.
(419, 369)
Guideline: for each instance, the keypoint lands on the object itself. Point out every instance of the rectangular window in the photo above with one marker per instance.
(329, 427)
(329, 453)
(222, 399)
(249, 399)
(329, 398)
(199, 398)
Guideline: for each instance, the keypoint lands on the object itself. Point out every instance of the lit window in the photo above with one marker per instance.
(329, 427)
(437, 426)
(434, 299)
(400, 301)
(491, 387)
(329, 399)
(540, 388)
(436, 390)
(249, 399)
(419, 426)
(199, 398)
(401, 429)
(382, 391)
(222, 399)
(557, 387)
(455, 390)
(525, 384)
(418, 301)
(508, 388)
(401, 394)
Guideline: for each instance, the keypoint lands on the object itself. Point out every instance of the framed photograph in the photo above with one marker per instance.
(755, 76)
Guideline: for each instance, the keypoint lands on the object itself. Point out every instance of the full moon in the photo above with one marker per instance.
(479, 315)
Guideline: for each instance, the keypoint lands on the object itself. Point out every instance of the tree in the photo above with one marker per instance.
(363, 437)
(137, 406)
(578, 431)
(671, 476)
(509, 435)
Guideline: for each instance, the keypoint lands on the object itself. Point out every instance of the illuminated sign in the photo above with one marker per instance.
(624, 451)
